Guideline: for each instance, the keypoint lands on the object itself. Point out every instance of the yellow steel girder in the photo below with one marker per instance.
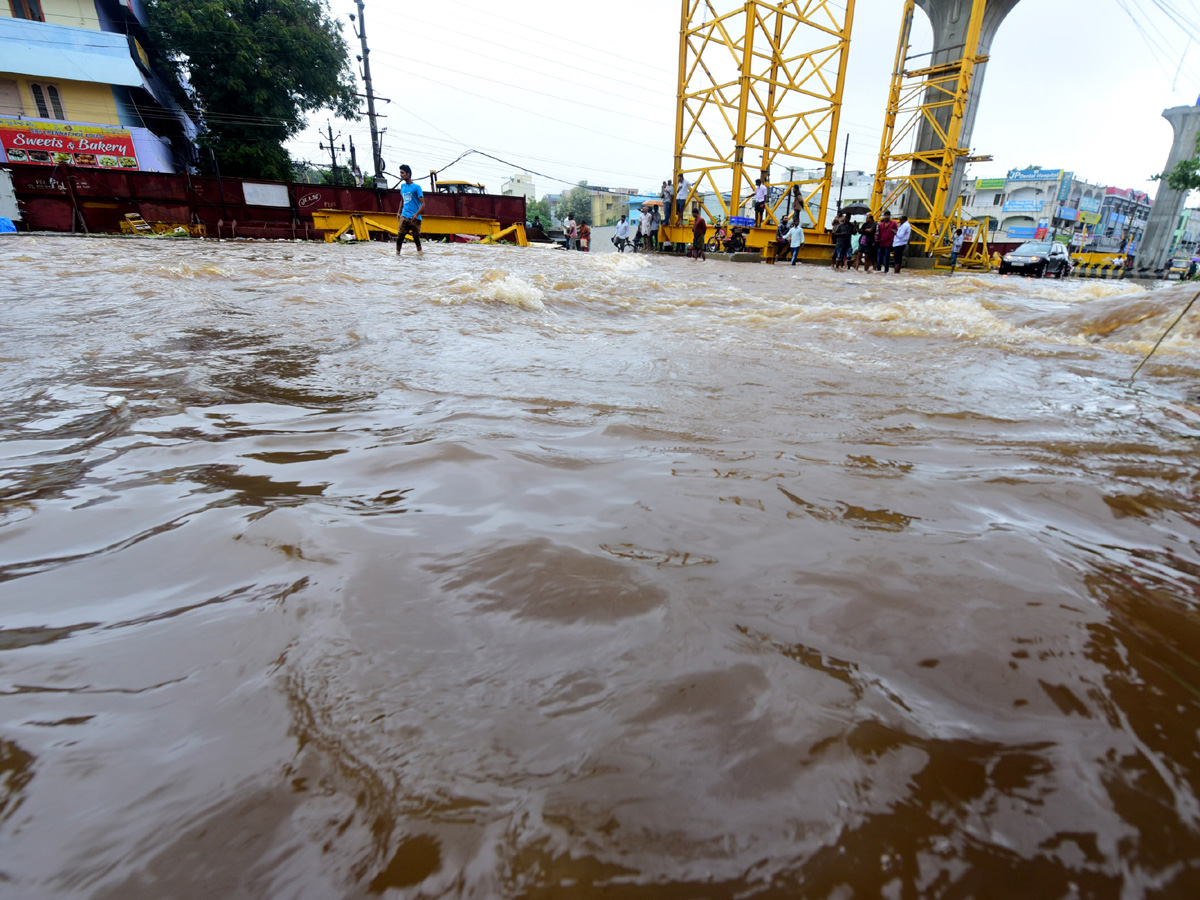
(930, 101)
(754, 92)
(336, 222)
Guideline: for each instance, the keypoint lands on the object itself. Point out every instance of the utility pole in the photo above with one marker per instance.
(376, 150)
(332, 151)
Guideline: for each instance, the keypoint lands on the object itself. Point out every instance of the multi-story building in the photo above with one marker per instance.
(519, 186)
(1124, 215)
(1186, 240)
(77, 88)
(1034, 203)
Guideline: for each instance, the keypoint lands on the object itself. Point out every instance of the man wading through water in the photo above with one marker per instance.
(410, 212)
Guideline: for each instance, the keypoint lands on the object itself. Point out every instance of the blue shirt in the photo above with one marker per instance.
(412, 195)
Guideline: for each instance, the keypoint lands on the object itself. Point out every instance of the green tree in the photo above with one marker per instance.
(254, 68)
(576, 202)
(538, 213)
(1186, 174)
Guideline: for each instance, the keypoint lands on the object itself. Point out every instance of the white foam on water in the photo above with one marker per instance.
(494, 286)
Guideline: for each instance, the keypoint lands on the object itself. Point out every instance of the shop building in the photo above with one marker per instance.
(77, 88)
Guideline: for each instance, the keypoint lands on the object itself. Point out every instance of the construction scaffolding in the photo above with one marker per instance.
(760, 85)
(922, 132)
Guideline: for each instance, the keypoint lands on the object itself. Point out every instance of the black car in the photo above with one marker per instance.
(1039, 259)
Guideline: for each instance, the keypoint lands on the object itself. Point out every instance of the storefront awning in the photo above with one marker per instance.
(39, 50)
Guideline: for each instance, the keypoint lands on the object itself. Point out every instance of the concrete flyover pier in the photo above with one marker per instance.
(951, 20)
(1156, 246)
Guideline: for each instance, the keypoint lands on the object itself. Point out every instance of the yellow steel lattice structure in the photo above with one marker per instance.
(760, 86)
(921, 135)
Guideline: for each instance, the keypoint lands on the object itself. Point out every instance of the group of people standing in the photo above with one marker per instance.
(578, 234)
(878, 246)
(644, 232)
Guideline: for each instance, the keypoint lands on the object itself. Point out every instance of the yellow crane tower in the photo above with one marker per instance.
(922, 131)
(760, 86)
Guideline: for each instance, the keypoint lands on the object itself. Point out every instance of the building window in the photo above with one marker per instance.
(49, 105)
(27, 9)
(10, 98)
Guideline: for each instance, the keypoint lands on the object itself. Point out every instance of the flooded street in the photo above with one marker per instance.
(533, 574)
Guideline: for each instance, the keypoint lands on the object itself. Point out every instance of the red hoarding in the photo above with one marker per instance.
(52, 143)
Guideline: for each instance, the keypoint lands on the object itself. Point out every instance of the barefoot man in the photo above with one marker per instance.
(410, 212)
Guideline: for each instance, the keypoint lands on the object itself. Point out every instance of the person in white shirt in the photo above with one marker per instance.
(681, 196)
(760, 200)
(955, 249)
(644, 225)
(900, 244)
(795, 238)
(667, 194)
(621, 237)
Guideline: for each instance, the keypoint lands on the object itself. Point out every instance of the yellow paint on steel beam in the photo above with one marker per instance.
(336, 222)
(934, 97)
(753, 88)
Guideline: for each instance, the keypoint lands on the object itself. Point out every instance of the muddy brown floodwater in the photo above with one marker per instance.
(505, 573)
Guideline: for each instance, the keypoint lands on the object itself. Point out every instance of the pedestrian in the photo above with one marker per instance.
(900, 244)
(841, 241)
(655, 226)
(585, 236)
(699, 235)
(956, 249)
(412, 202)
(572, 233)
(644, 228)
(856, 256)
(795, 237)
(621, 236)
(886, 234)
(681, 196)
(760, 201)
(667, 194)
(866, 241)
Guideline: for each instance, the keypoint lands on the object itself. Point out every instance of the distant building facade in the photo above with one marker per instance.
(1035, 203)
(77, 88)
(520, 186)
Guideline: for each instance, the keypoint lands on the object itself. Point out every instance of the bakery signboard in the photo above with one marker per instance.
(54, 143)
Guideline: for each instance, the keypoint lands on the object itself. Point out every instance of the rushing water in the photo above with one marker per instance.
(524, 573)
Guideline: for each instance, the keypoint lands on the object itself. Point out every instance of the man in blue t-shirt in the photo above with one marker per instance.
(410, 212)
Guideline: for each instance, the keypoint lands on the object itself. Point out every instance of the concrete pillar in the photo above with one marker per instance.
(1168, 203)
(950, 20)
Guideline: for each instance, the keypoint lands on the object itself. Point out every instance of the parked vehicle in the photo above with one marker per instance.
(460, 187)
(1177, 268)
(1039, 259)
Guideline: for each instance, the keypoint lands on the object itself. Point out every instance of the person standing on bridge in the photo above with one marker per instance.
(413, 199)
(760, 200)
(866, 241)
(681, 197)
(795, 237)
(900, 245)
(699, 235)
(956, 249)
(886, 234)
(667, 194)
(645, 226)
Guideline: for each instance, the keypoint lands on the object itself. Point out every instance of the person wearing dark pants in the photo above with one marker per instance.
(900, 244)
(413, 199)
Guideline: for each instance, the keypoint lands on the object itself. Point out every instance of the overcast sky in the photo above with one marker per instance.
(587, 91)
